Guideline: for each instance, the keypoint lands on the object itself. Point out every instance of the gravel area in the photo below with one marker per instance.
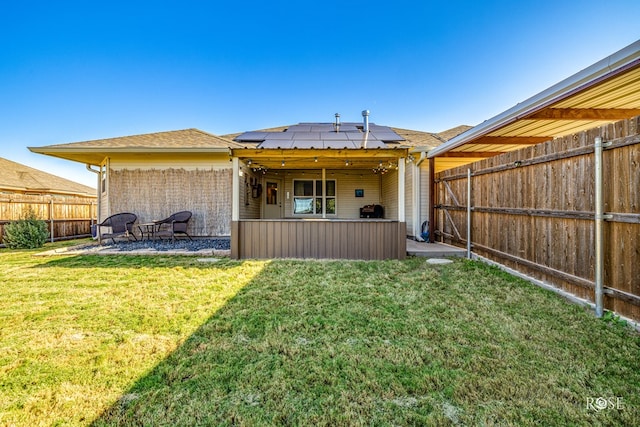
(167, 245)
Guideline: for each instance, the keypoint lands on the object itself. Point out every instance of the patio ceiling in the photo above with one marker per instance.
(605, 92)
(272, 159)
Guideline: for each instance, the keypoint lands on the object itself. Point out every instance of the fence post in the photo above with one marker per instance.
(51, 218)
(599, 220)
(469, 213)
(432, 200)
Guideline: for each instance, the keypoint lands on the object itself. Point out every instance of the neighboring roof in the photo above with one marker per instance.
(178, 141)
(17, 177)
(348, 136)
(426, 141)
(605, 92)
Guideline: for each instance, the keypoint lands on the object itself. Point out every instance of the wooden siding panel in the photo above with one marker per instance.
(347, 205)
(425, 190)
(250, 207)
(389, 191)
(409, 197)
(318, 239)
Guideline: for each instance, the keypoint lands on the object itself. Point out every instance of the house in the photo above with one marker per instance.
(67, 206)
(154, 175)
(16, 178)
(311, 178)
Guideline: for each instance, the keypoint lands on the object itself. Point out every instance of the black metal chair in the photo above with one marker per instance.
(175, 224)
(121, 225)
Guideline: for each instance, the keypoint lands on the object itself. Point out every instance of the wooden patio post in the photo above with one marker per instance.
(432, 199)
(401, 183)
(235, 207)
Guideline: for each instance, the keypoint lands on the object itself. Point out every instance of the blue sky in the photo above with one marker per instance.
(75, 71)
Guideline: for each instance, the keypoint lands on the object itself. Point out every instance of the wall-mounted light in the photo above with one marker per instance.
(315, 159)
(249, 162)
(346, 163)
(282, 164)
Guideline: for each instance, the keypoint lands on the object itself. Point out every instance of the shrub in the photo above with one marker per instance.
(27, 233)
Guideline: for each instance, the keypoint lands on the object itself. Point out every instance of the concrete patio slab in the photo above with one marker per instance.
(434, 250)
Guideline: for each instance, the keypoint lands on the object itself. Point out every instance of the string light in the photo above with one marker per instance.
(382, 169)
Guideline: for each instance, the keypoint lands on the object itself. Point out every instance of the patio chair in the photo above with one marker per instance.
(175, 224)
(121, 225)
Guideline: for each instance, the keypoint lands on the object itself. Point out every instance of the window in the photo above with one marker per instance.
(308, 197)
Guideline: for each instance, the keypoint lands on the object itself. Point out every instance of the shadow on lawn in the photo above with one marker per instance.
(220, 372)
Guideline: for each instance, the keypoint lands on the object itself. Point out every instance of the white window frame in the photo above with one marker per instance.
(314, 197)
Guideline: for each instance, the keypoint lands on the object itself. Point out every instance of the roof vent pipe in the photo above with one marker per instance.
(337, 123)
(365, 116)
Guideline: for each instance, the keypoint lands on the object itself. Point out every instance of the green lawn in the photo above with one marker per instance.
(131, 340)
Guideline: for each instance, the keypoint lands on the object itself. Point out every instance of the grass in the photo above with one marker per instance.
(126, 340)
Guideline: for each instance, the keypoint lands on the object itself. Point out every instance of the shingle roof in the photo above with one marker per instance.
(18, 177)
(428, 140)
(177, 141)
(187, 138)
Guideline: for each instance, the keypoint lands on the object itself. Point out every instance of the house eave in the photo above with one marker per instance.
(609, 67)
(95, 155)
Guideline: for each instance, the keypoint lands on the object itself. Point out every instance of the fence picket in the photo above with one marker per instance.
(66, 217)
(538, 216)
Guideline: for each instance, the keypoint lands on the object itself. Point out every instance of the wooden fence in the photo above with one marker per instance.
(66, 217)
(534, 210)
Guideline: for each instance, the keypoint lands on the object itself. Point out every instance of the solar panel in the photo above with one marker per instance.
(323, 135)
(322, 127)
(313, 136)
(280, 136)
(349, 128)
(300, 128)
(252, 136)
(276, 143)
(339, 144)
(307, 144)
(360, 136)
(332, 136)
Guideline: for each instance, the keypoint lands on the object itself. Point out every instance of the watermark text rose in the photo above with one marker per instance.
(598, 404)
